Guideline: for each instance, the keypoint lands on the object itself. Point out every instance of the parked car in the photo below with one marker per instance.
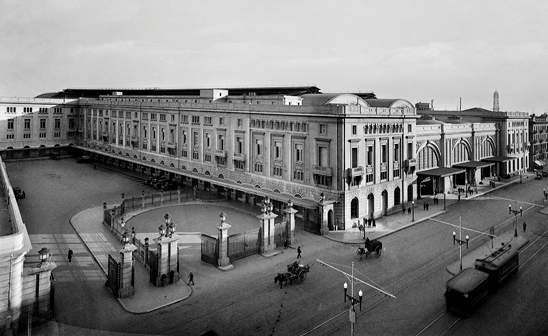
(18, 193)
(167, 186)
(159, 182)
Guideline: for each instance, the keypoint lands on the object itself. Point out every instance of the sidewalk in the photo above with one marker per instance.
(400, 220)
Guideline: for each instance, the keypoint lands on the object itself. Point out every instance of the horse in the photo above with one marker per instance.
(361, 252)
(283, 278)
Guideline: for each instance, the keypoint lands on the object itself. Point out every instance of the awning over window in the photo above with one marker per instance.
(498, 159)
(440, 172)
(540, 163)
(473, 164)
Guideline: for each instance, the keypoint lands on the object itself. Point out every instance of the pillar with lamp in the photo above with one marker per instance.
(125, 275)
(267, 243)
(167, 252)
(223, 261)
(42, 275)
(515, 212)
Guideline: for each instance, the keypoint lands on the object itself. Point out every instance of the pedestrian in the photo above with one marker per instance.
(427, 206)
(163, 280)
(524, 226)
(403, 209)
(171, 276)
(408, 211)
(424, 206)
(298, 252)
(374, 224)
(459, 197)
(190, 278)
(285, 244)
(369, 222)
(70, 253)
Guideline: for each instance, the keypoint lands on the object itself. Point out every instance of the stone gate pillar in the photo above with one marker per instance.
(267, 229)
(223, 261)
(126, 288)
(290, 223)
(166, 249)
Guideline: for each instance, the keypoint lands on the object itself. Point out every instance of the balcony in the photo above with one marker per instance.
(171, 144)
(220, 153)
(353, 172)
(324, 171)
(384, 166)
(396, 165)
(239, 156)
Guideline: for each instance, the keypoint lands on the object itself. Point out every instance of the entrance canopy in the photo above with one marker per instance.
(498, 159)
(473, 164)
(440, 172)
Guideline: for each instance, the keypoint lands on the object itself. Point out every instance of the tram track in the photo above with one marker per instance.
(447, 321)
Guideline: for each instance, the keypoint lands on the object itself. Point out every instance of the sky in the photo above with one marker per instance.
(455, 53)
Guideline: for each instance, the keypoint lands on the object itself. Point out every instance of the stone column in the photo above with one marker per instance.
(233, 194)
(166, 249)
(290, 223)
(324, 208)
(223, 261)
(268, 245)
(126, 266)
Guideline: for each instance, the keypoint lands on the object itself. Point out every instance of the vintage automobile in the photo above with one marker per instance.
(371, 247)
(20, 194)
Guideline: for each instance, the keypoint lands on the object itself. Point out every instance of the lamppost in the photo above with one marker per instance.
(353, 301)
(524, 148)
(413, 211)
(460, 241)
(515, 212)
(161, 231)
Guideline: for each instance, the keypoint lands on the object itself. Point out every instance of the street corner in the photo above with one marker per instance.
(150, 298)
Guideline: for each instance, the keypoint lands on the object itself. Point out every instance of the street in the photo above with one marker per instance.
(245, 301)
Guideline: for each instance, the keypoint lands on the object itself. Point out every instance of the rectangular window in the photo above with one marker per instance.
(42, 124)
(240, 122)
(162, 117)
(396, 152)
(27, 109)
(239, 145)
(384, 153)
(298, 175)
(277, 171)
(258, 167)
(10, 124)
(222, 121)
(57, 123)
(323, 129)
(42, 135)
(10, 136)
(27, 124)
(410, 150)
(184, 119)
(195, 120)
(208, 141)
(354, 157)
(221, 142)
(258, 147)
(71, 123)
(208, 121)
(299, 151)
(153, 116)
(144, 116)
(323, 158)
(354, 129)
(239, 164)
(26, 136)
(277, 150)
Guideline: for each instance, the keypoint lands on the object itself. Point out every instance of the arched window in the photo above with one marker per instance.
(354, 208)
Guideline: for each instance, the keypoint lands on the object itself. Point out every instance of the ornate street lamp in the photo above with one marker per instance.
(161, 231)
(460, 241)
(413, 210)
(515, 212)
(43, 256)
(222, 216)
(125, 238)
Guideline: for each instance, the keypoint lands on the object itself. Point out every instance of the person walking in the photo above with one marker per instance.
(298, 252)
(70, 253)
(524, 226)
(285, 244)
(190, 278)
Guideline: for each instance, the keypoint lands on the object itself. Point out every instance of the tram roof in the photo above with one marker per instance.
(467, 280)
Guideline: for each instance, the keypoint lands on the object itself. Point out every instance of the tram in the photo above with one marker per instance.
(465, 291)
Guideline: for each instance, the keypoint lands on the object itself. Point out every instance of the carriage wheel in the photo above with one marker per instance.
(302, 276)
(378, 251)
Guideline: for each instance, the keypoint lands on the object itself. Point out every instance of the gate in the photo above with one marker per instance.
(113, 280)
(209, 249)
(243, 245)
(153, 262)
(279, 234)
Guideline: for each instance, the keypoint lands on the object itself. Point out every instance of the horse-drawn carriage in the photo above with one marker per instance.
(295, 271)
(371, 247)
